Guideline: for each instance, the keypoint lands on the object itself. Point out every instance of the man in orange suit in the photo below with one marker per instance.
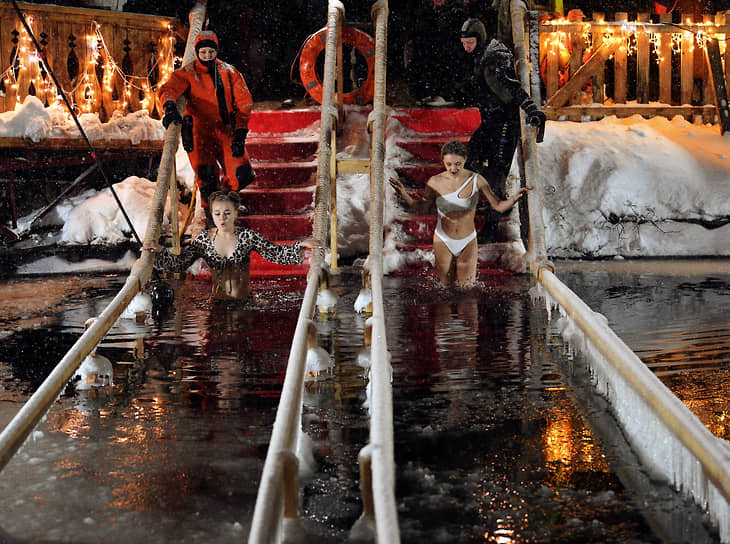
(215, 124)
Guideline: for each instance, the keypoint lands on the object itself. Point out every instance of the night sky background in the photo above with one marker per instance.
(262, 37)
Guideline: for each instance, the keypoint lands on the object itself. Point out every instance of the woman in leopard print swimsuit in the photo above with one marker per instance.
(226, 249)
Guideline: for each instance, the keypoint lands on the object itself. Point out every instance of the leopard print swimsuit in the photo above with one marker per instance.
(247, 240)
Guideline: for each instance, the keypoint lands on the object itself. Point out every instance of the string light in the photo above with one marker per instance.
(28, 68)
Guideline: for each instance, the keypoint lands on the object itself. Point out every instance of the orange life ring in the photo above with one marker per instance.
(315, 44)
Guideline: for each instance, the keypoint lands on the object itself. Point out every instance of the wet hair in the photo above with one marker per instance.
(225, 196)
(453, 147)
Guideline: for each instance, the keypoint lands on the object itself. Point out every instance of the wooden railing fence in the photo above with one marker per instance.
(105, 61)
(595, 68)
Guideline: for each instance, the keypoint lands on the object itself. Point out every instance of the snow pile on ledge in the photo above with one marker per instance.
(34, 121)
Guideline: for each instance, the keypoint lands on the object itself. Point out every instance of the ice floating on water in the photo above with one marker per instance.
(138, 306)
(368, 393)
(363, 358)
(326, 301)
(318, 360)
(95, 371)
(326, 297)
(364, 301)
(305, 454)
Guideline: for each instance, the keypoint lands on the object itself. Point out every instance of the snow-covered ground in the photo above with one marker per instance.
(617, 187)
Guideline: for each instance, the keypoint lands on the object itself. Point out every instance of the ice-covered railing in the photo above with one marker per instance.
(15, 433)
(379, 520)
(276, 514)
(668, 438)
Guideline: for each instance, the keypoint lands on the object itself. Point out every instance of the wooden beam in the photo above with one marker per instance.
(714, 67)
(642, 60)
(665, 62)
(591, 68)
(353, 166)
(620, 66)
(77, 144)
(596, 111)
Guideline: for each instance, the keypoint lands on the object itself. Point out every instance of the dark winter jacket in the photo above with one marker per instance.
(497, 90)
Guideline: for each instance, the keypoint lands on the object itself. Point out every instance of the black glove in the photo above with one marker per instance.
(238, 146)
(535, 117)
(186, 133)
(171, 114)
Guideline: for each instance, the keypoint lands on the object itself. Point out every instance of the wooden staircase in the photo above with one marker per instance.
(427, 131)
(280, 200)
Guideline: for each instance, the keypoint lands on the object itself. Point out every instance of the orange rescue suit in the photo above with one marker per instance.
(212, 132)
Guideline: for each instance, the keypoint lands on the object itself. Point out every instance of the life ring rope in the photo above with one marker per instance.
(316, 43)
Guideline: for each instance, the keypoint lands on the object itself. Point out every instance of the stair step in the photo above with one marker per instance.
(428, 148)
(418, 174)
(441, 121)
(278, 200)
(275, 122)
(280, 226)
(283, 174)
(260, 267)
(282, 148)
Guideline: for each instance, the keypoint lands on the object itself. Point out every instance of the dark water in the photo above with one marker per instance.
(679, 325)
(494, 443)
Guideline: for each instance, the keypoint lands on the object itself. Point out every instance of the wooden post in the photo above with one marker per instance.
(687, 74)
(578, 45)
(599, 78)
(620, 70)
(714, 65)
(642, 59)
(553, 64)
(333, 202)
(593, 67)
(721, 19)
(708, 92)
(665, 62)
(173, 211)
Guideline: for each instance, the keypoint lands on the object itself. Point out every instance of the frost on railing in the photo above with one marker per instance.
(659, 427)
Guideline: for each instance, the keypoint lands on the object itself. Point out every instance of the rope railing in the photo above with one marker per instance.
(377, 465)
(276, 508)
(669, 439)
(16, 432)
(536, 250)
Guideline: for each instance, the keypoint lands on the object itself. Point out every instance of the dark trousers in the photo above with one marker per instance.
(489, 152)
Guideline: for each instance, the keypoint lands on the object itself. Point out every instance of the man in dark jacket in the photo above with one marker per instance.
(493, 86)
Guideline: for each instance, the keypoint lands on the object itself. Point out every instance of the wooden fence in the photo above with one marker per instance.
(595, 68)
(105, 61)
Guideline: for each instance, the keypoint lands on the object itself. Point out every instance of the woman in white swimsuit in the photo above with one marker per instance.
(455, 194)
(226, 249)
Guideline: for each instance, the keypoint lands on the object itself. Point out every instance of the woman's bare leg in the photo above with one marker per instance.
(466, 265)
(443, 260)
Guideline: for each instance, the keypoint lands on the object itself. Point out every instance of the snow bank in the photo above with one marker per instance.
(34, 121)
(635, 187)
(98, 220)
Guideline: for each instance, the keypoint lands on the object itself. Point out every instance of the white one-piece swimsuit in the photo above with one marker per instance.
(452, 202)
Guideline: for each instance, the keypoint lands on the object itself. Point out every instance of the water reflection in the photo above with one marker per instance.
(678, 325)
(490, 446)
